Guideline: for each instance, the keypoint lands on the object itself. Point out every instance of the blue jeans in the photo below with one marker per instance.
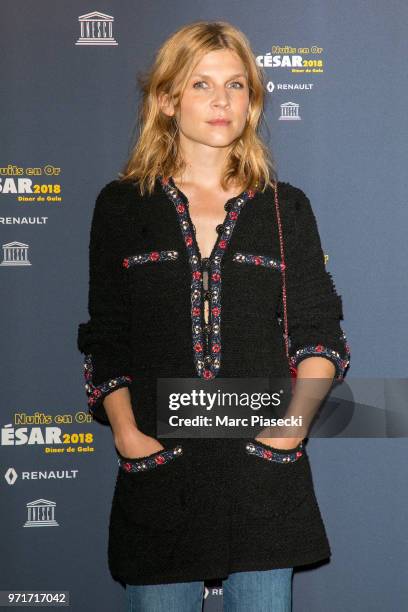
(258, 591)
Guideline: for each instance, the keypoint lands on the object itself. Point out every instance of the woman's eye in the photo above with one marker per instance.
(241, 86)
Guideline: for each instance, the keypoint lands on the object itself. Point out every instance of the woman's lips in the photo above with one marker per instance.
(219, 122)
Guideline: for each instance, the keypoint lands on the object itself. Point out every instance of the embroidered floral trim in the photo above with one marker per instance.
(148, 463)
(323, 351)
(259, 260)
(150, 256)
(97, 393)
(272, 455)
(207, 365)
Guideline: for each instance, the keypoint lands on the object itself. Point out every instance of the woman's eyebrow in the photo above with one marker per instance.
(234, 76)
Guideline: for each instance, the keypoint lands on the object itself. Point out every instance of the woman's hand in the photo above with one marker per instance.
(133, 444)
(281, 443)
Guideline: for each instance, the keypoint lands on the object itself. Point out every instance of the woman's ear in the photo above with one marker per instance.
(165, 105)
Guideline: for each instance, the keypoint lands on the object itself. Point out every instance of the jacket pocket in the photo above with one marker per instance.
(275, 481)
(278, 455)
(264, 261)
(151, 492)
(149, 462)
(148, 257)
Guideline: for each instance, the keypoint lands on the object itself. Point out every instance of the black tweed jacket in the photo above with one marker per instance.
(202, 509)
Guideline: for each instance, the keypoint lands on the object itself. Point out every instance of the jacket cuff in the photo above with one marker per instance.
(340, 361)
(97, 393)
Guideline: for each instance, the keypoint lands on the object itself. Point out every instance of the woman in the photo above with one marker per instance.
(197, 257)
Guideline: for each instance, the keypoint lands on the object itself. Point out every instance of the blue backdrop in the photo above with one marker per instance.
(337, 127)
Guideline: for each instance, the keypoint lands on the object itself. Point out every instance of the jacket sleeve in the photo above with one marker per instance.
(314, 308)
(104, 338)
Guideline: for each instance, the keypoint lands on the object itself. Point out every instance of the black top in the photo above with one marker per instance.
(203, 508)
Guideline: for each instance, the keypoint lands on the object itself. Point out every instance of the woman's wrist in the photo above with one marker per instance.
(129, 431)
(281, 443)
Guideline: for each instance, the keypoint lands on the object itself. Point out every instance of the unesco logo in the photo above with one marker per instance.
(96, 29)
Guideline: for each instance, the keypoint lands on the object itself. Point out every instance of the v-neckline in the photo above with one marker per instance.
(226, 216)
(206, 337)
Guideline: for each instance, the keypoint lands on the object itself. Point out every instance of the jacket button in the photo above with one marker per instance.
(207, 295)
(205, 262)
(219, 228)
(207, 329)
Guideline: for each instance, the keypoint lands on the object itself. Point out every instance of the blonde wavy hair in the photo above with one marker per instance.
(157, 149)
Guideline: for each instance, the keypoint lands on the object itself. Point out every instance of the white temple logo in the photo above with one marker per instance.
(41, 513)
(15, 254)
(289, 112)
(96, 29)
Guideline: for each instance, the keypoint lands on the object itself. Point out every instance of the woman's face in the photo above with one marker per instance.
(216, 89)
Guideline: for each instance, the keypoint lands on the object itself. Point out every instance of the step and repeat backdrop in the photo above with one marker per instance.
(336, 123)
